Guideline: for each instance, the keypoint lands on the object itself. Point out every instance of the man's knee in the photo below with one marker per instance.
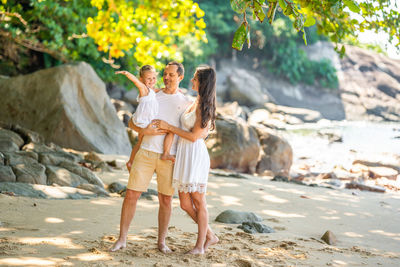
(132, 195)
(165, 201)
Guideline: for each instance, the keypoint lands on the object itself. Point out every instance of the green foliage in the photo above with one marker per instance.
(336, 19)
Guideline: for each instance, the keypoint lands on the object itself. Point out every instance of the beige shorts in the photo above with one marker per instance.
(143, 167)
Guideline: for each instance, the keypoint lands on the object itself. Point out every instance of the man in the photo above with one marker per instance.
(172, 104)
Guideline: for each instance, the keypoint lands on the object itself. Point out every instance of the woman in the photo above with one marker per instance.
(192, 161)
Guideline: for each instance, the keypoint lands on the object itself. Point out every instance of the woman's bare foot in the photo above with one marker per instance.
(129, 165)
(195, 251)
(168, 157)
(210, 241)
(118, 245)
(164, 248)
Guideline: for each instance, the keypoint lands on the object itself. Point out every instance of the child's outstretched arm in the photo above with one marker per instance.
(143, 90)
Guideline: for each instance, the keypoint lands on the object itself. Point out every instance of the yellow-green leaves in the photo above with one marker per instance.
(352, 5)
(240, 37)
(271, 11)
(148, 28)
(239, 6)
(258, 11)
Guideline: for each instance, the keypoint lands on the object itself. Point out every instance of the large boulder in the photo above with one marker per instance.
(233, 145)
(276, 152)
(67, 105)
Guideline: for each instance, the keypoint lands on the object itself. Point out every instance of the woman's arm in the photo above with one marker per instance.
(143, 90)
(196, 133)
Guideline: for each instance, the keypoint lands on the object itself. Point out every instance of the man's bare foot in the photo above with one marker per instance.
(210, 241)
(129, 165)
(168, 157)
(196, 251)
(164, 248)
(118, 245)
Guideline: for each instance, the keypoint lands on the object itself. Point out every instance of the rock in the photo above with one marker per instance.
(2, 159)
(131, 97)
(305, 115)
(231, 216)
(363, 187)
(329, 238)
(63, 177)
(32, 173)
(37, 148)
(116, 187)
(95, 189)
(78, 113)
(333, 136)
(20, 157)
(232, 110)
(255, 227)
(44, 191)
(7, 136)
(28, 135)
(8, 146)
(150, 194)
(122, 105)
(124, 116)
(83, 172)
(115, 91)
(276, 152)
(92, 156)
(233, 145)
(227, 174)
(246, 89)
(55, 158)
(102, 167)
(7, 174)
(378, 172)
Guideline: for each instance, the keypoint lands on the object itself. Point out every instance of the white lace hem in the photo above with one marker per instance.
(189, 188)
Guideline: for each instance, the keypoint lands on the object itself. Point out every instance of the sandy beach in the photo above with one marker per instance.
(39, 232)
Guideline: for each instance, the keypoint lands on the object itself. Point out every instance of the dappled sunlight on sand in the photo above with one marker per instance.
(274, 199)
(352, 234)
(58, 241)
(277, 213)
(104, 201)
(330, 217)
(91, 257)
(228, 201)
(396, 236)
(32, 261)
(79, 219)
(53, 220)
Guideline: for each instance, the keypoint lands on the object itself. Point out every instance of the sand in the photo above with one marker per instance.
(38, 232)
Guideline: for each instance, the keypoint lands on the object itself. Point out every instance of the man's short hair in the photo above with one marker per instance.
(180, 70)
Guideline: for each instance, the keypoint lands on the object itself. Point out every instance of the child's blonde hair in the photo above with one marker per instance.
(145, 68)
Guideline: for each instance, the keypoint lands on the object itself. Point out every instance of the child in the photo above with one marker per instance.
(147, 108)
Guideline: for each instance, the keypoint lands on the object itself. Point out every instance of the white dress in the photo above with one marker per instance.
(146, 111)
(192, 163)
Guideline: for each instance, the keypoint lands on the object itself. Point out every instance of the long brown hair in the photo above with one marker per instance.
(207, 78)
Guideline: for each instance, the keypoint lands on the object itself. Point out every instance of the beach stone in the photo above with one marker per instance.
(239, 83)
(329, 238)
(116, 187)
(2, 159)
(55, 158)
(233, 110)
(276, 152)
(83, 172)
(131, 97)
(33, 173)
(103, 167)
(29, 136)
(149, 195)
(92, 156)
(78, 113)
(20, 157)
(8, 135)
(7, 174)
(95, 189)
(255, 227)
(304, 115)
(63, 177)
(8, 146)
(45, 191)
(38, 148)
(232, 216)
(233, 145)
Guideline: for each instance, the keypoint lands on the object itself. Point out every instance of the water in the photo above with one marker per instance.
(372, 141)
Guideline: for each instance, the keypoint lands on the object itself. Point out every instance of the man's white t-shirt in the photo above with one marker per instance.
(170, 109)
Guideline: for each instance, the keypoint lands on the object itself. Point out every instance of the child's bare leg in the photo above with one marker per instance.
(133, 153)
(169, 138)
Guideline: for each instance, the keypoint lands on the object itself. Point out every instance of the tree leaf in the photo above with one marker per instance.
(258, 11)
(309, 21)
(239, 6)
(240, 37)
(305, 37)
(282, 4)
(248, 37)
(271, 11)
(352, 5)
